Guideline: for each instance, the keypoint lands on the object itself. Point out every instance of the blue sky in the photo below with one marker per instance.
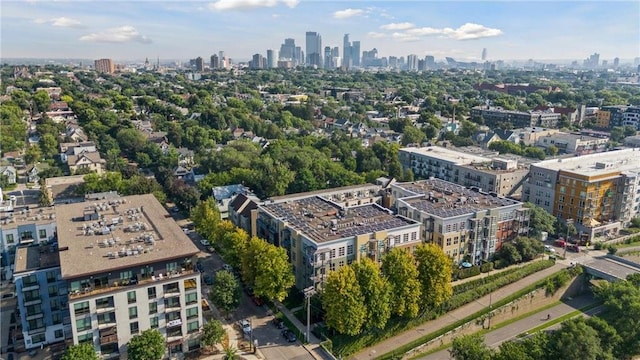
(182, 30)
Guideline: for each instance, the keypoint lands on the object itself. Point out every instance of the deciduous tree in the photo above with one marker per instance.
(83, 351)
(376, 291)
(400, 268)
(225, 292)
(343, 302)
(434, 274)
(274, 276)
(150, 345)
(212, 333)
(470, 347)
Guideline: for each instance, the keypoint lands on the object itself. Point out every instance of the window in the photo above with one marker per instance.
(333, 253)
(29, 280)
(455, 227)
(133, 312)
(332, 266)
(173, 266)
(193, 326)
(58, 334)
(53, 290)
(131, 297)
(83, 324)
(448, 241)
(153, 307)
(133, 327)
(191, 298)
(26, 235)
(10, 239)
(414, 236)
(85, 338)
(81, 308)
(126, 275)
(341, 263)
(192, 313)
(341, 251)
(349, 249)
(405, 238)
(104, 302)
(154, 322)
(151, 292)
(51, 276)
(56, 318)
(107, 318)
(42, 233)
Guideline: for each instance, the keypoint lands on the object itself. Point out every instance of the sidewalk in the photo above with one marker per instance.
(496, 337)
(313, 343)
(428, 327)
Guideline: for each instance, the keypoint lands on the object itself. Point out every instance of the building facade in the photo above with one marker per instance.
(495, 115)
(105, 66)
(574, 143)
(499, 175)
(598, 191)
(469, 226)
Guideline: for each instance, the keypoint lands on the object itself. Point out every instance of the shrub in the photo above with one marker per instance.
(613, 249)
(500, 263)
(486, 267)
(598, 246)
(327, 345)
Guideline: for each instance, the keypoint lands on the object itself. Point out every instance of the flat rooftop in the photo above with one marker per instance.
(452, 156)
(21, 215)
(328, 192)
(322, 220)
(35, 257)
(97, 237)
(587, 165)
(444, 199)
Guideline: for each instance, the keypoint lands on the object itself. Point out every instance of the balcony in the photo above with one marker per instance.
(174, 323)
(33, 316)
(32, 301)
(38, 330)
(108, 339)
(119, 286)
(30, 286)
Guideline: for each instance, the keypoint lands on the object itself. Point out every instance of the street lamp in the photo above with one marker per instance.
(308, 293)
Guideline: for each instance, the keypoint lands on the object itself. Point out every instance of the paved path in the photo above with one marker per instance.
(496, 337)
(313, 345)
(450, 318)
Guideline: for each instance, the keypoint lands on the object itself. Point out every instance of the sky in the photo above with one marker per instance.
(130, 30)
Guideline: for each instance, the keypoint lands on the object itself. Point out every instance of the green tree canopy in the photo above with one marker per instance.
(150, 345)
(212, 333)
(225, 292)
(376, 291)
(274, 275)
(400, 268)
(83, 351)
(434, 274)
(540, 220)
(470, 347)
(343, 302)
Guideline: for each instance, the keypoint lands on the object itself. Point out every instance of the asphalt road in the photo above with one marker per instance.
(270, 341)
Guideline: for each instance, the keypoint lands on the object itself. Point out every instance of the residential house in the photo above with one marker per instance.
(10, 172)
(185, 157)
(243, 212)
(75, 132)
(33, 173)
(67, 149)
(86, 161)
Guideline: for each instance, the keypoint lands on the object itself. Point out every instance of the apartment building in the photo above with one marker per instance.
(574, 143)
(321, 235)
(469, 225)
(598, 191)
(105, 66)
(128, 268)
(494, 115)
(502, 176)
(42, 295)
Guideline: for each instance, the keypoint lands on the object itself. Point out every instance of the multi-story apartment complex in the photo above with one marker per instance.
(610, 116)
(494, 115)
(23, 227)
(105, 66)
(598, 191)
(631, 117)
(499, 175)
(127, 269)
(469, 225)
(321, 235)
(42, 295)
(574, 143)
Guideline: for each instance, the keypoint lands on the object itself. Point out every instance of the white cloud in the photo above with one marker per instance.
(120, 34)
(60, 22)
(470, 31)
(376, 35)
(398, 26)
(404, 37)
(347, 13)
(222, 5)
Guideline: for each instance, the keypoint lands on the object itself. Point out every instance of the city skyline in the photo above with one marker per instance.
(241, 28)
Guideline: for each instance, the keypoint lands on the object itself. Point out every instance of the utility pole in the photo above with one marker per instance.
(308, 293)
(566, 239)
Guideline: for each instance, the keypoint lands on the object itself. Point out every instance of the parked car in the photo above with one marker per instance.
(246, 327)
(549, 248)
(227, 267)
(277, 322)
(211, 249)
(289, 335)
(204, 242)
(207, 279)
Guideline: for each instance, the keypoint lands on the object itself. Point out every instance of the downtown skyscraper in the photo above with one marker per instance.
(314, 49)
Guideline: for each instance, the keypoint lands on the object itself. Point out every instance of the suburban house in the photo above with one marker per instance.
(10, 172)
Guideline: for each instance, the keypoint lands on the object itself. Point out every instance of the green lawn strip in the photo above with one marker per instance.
(520, 317)
(562, 318)
(426, 338)
(625, 245)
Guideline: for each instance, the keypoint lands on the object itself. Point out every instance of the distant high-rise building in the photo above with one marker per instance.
(430, 61)
(287, 50)
(199, 64)
(393, 62)
(314, 49)
(346, 51)
(636, 61)
(328, 64)
(335, 52)
(592, 61)
(215, 62)
(257, 61)
(271, 59)
(355, 53)
(484, 54)
(105, 66)
(412, 62)
(605, 63)
(616, 62)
